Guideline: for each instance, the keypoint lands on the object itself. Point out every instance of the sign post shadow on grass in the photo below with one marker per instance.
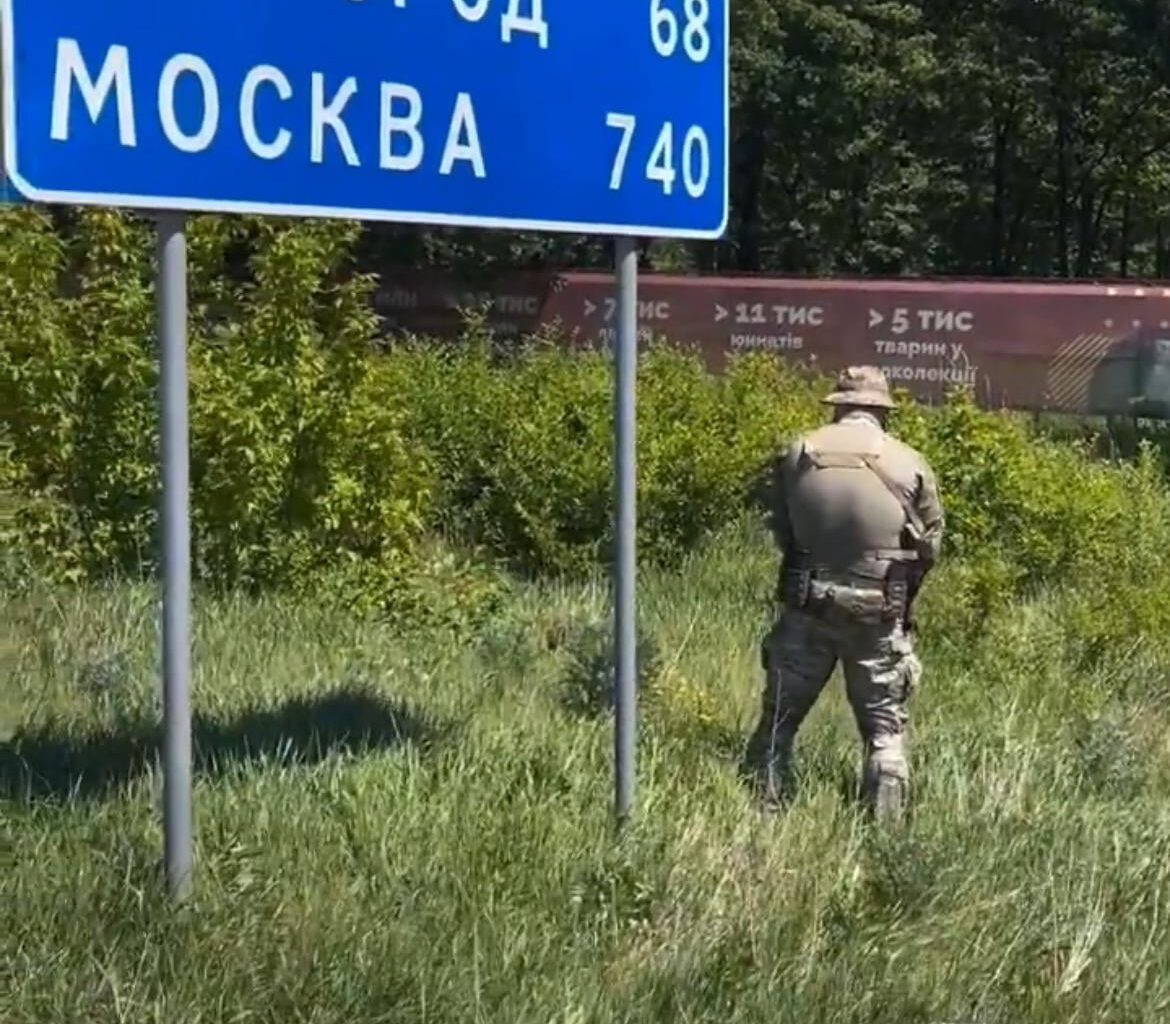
(606, 118)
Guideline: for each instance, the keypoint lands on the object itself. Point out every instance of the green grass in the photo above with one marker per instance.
(417, 828)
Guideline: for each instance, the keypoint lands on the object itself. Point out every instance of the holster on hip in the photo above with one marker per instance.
(897, 594)
(796, 581)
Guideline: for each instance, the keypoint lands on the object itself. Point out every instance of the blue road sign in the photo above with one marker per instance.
(606, 116)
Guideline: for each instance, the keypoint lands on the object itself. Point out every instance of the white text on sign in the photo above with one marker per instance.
(767, 342)
(512, 22)
(608, 335)
(931, 320)
(325, 115)
(695, 157)
(695, 33)
(797, 316)
(952, 350)
(512, 305)
(933, 374)
(648, 309)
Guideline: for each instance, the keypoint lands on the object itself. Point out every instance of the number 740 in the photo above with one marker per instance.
(661, 165)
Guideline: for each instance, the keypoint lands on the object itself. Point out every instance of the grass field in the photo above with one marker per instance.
(418, 828)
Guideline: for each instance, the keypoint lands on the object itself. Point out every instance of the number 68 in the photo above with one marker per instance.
(664, 30)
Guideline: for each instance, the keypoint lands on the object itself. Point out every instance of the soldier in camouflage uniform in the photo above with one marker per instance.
(858, 519)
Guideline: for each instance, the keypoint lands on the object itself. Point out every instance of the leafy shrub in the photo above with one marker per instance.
(1049, 505)
(1026, 511)
(524, 444)
(296, 462)
(71, 388)
(287, 412)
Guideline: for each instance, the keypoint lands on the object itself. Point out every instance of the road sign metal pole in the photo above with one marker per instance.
(176, 639)
(625, 560)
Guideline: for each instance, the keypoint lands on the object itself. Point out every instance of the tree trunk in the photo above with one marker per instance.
(1126, 217)
(1087, 231)
(753, 154)
(999, 199)
(1062, 204)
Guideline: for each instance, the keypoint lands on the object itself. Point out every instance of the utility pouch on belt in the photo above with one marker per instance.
(860, 604)
(796, 581)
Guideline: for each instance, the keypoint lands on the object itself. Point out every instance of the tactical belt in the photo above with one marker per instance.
(879, 595)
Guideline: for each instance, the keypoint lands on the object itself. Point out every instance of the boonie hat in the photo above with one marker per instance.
(862, 385)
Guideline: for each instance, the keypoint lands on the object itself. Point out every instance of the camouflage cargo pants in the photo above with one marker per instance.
(881, 670)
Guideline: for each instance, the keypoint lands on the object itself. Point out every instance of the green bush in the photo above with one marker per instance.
(1046, 512)
(524, 442)
(1029, 513)
(288, 417)
(297, 465)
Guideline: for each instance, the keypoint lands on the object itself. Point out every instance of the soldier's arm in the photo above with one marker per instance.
(928, 504)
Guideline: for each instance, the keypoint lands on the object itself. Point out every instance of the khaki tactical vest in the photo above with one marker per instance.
(855, 495)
